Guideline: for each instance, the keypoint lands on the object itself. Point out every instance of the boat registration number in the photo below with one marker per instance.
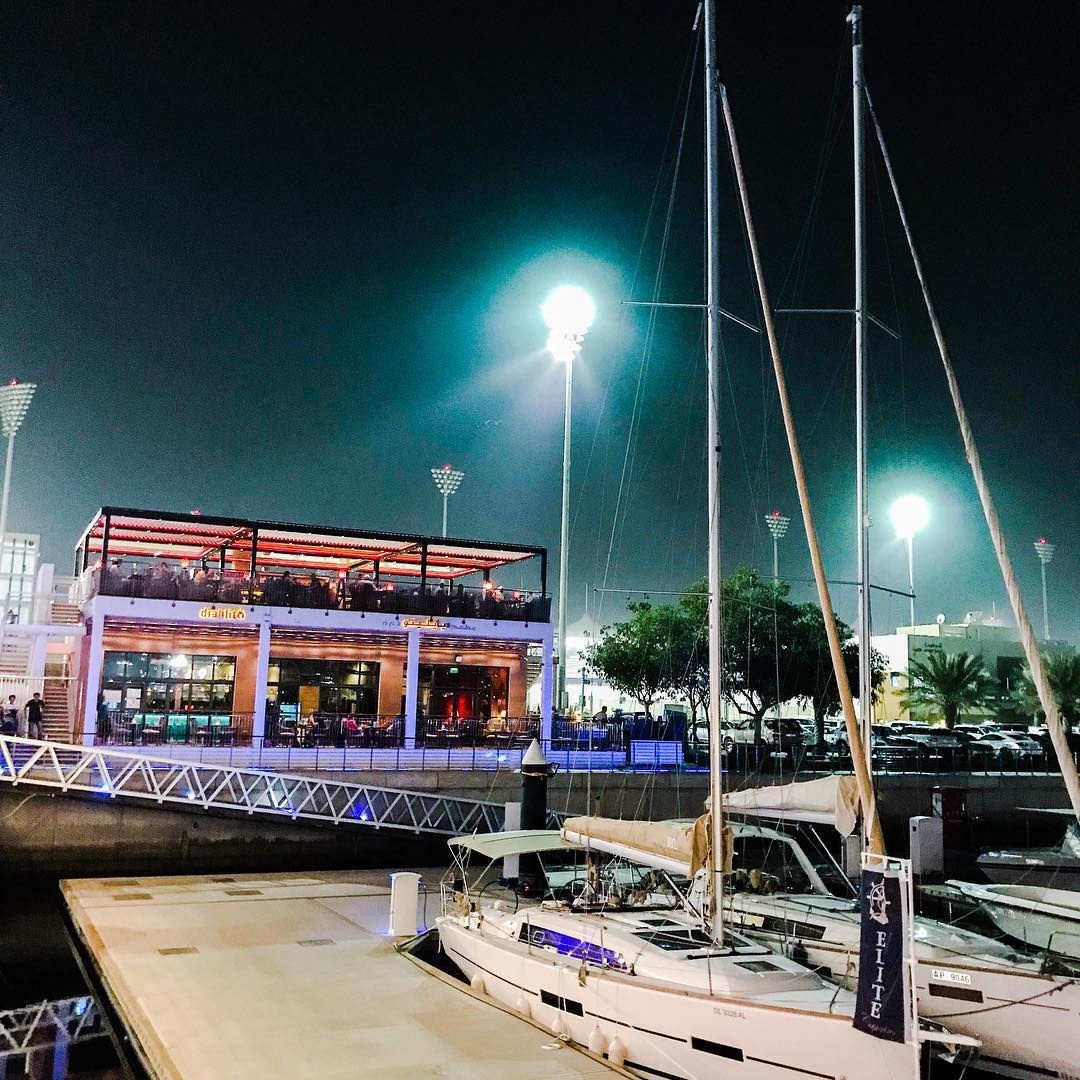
(957, 977)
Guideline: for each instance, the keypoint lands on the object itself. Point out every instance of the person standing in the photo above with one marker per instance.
(9, 716)
(35, 714)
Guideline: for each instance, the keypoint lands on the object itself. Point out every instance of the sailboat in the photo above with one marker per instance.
(626, 965)
(1024, 1017)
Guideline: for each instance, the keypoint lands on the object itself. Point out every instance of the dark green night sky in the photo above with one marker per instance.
(280, 259)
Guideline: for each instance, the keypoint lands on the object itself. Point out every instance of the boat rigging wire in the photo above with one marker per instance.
(646, 351)
(997, 536)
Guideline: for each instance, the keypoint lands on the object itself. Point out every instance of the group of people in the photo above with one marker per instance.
(27, 721)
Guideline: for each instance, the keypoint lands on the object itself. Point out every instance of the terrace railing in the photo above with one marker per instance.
(162, 581)
(123, 728)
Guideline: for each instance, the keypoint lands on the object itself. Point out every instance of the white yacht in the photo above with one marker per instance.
(620, 963)
(1024, 1015)
(1043, 918)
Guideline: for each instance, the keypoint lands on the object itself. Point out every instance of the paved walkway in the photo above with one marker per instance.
(292, 976)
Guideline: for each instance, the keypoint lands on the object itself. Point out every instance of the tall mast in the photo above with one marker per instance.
(712, 338)
(862, 506)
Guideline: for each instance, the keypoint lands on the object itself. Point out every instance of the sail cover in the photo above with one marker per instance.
(832, 800)
(681, 847)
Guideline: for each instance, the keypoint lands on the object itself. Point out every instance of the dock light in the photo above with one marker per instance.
(1044, 552)
(568, 313)
(910, 514)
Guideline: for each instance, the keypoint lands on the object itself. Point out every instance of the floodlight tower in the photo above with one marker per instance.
(447, 480)
(778, 525)
(1045, 552)
(910, 514)
(15, 399)
(568, 313)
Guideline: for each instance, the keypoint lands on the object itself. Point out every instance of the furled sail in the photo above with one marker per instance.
(681, 847)
(831, 800)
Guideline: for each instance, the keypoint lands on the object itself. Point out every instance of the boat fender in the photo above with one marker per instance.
(597, 1042)
(477, 983)
(616, 1052)
(522, 1006)
(559, 1028)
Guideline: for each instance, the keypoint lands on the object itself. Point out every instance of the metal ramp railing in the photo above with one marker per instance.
(42, 1026)
(103, 771)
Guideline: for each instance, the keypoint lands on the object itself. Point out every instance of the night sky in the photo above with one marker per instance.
(278, 260)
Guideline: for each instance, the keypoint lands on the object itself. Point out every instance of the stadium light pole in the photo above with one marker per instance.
(568, 313)
(778, 525)
(1045, 552)
(447, 480)
(15, 399)
(910, 514)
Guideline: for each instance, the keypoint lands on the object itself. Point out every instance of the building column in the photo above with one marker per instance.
(262, 667)
(39, 652)
(43, 588)
(547, 684)
(412, 685)
(93, 678)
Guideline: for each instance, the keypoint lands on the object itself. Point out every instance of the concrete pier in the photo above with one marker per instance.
(292, 975)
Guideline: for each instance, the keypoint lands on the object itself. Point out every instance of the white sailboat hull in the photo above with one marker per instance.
(669, 1031)
(1022, 1018)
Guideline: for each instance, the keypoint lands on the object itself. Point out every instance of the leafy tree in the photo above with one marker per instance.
(943, 685)
(690, 668)
(761, 659)
(639, 657)
(817, 677)
(1063, 674)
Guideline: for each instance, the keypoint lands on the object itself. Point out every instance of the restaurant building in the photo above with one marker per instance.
(223, 631)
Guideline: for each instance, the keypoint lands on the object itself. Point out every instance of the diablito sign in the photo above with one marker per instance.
(226, 614)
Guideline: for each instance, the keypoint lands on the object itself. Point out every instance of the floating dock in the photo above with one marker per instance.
(291, 975)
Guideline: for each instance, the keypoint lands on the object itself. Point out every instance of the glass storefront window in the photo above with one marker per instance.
(337, 687)
(453, 694)
(169, 682)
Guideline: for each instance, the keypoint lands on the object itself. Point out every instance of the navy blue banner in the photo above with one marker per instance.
(879, 1003)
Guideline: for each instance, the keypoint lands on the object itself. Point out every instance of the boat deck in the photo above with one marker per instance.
(292, 975)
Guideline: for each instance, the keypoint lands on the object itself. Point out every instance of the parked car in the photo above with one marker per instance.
(1015, 744)
(776, 734)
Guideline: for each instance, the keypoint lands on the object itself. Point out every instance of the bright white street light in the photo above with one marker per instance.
(910, 514)
(568, 313)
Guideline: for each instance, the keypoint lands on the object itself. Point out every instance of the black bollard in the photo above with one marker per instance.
(535, 770)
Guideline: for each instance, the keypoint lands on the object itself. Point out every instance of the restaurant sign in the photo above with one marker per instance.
(424, 624)
(228, 614)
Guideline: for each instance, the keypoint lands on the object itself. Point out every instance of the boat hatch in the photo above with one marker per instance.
(541, 937)
(672, 941)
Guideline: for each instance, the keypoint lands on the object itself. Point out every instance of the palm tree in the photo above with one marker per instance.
(944, 685)
(1063, 674)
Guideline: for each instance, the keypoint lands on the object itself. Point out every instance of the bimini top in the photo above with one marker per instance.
(515, 842)
(282, 545)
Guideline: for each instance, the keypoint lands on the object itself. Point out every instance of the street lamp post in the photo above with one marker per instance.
(447, 480)
(1045, 552)
(568, 313)
(777, 524)
(14, 401)
(910, 514)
